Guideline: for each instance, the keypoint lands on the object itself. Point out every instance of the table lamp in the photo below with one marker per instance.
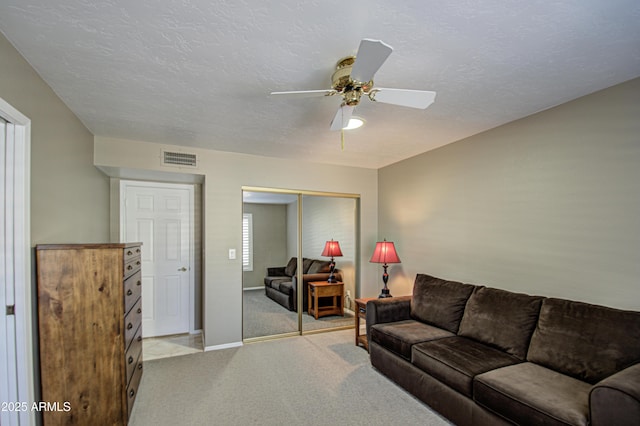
(332, 249)
(385, 252)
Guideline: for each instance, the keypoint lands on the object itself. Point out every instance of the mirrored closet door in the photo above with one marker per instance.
(269, 257)
(329, 236)
(289, 241)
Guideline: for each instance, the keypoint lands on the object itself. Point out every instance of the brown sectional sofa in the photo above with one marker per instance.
(281, 283)
(484, 356)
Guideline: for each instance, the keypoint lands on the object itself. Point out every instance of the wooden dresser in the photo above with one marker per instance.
(89, 318)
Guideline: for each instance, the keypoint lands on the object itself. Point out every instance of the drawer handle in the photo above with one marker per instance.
(131, 393)
(139, 338)
(129, 292)
(129, 253)
(139, 310)
(129, 267)
(138, 250)
(138, 263)
(140, 366)
(130, 359)
(129, 326)
(139, 283)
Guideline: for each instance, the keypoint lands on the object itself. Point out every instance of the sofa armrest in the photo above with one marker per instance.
(276, 271)
(321, 276)
(616, 399)
(388, 309)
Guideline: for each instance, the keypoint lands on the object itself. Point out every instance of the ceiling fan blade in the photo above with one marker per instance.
(306, 93)
(404, 97)
(370, 57)
(342, 117)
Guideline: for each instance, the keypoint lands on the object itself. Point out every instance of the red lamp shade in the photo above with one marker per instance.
(331, 249)
(385, 252)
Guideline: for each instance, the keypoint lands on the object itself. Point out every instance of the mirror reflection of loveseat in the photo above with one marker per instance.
(281, 283)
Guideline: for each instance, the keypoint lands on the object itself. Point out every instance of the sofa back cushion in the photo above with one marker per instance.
(588, 342)
(501, 319)
(306, 264)
(319, 266)
(439, 302)
(290, 269)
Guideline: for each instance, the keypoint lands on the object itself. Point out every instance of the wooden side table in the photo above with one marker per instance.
(324, 289)
(361, 313)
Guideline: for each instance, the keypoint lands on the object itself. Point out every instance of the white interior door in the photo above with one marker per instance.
(160, 216)
(16, 361)
(8, 388)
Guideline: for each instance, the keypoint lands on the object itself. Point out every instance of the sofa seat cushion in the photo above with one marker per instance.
(455, 361)
(274, 282)
(439, 302)
(530, 394)
(399, 336)
(585, 341)
(286, 287)
(501, 319)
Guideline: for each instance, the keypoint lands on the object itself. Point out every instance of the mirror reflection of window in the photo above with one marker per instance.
(247, 242)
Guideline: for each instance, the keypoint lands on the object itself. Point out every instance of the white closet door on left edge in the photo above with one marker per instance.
(159, 216)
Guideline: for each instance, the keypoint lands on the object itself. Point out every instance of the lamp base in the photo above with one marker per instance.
(332, 277)
(384, 293)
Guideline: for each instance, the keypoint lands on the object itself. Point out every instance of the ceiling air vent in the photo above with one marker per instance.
(184, 159)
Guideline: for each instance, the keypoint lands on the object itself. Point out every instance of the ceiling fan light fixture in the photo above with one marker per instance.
(353, 78)
(354, 123)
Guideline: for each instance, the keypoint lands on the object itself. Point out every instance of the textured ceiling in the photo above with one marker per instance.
(199, 72)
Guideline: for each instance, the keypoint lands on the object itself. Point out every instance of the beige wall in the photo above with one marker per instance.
(269, 241)
(547, 205)
(224, 175)
(69, 196)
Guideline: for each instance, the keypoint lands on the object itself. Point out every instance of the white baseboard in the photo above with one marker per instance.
(253, 288)
(223, 346)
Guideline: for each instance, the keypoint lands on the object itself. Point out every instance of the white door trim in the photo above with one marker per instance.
(19, 205)
(123, 223)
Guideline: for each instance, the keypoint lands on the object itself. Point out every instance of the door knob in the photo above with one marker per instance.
(183, 269)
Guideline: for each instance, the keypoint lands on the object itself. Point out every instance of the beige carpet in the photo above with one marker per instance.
(262, 316)
(319, 379)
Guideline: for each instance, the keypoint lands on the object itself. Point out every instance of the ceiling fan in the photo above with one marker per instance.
(353, 78)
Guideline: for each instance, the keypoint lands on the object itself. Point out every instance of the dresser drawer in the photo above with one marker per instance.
(131, 253)
(132, 290)
(132, 267)
(133, 354)
(132, 389)
(131, 323)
